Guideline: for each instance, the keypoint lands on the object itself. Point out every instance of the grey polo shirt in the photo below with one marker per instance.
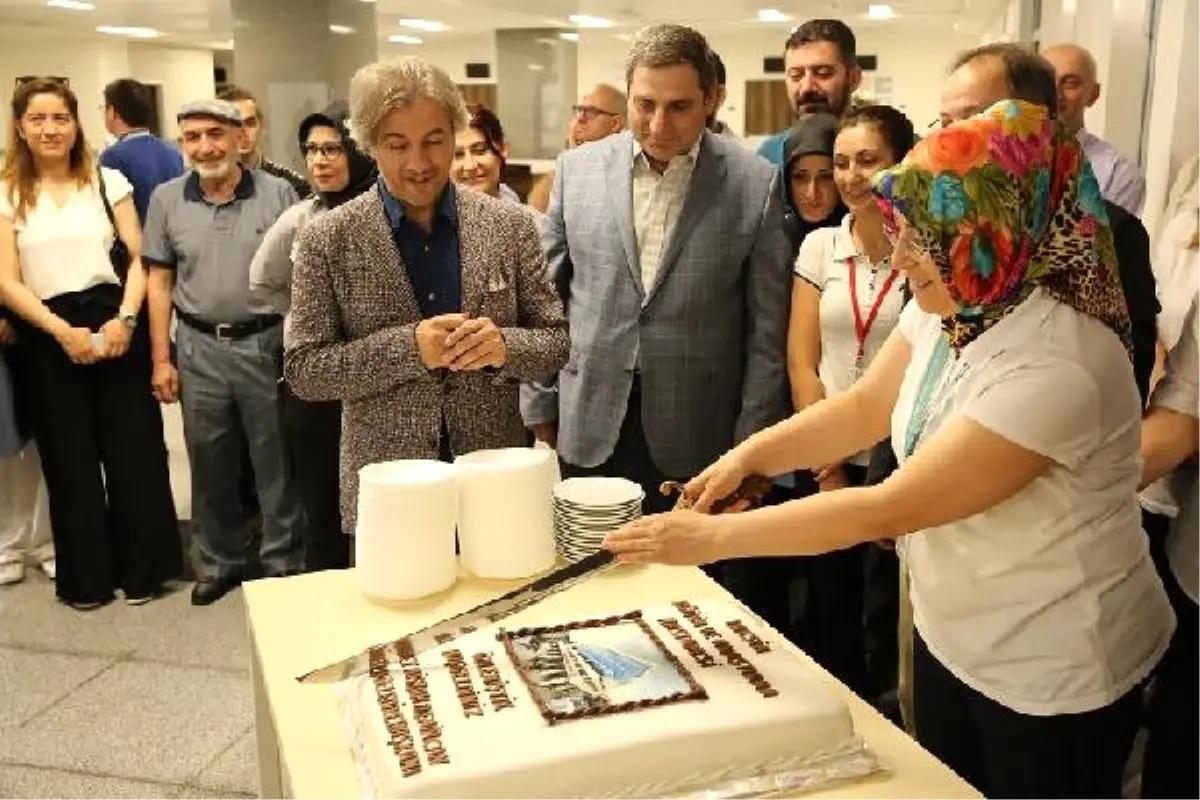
(210, 246)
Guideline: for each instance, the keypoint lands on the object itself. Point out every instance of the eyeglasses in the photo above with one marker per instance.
(585, 113)
(330, 150)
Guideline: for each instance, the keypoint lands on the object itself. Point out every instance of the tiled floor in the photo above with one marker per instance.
(149, 701)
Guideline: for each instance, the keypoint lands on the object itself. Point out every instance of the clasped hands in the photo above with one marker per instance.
(76, 342)
(460, 343)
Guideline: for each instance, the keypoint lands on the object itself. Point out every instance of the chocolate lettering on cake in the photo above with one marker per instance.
(694, 690)
(745, 668)
(492, 681)
(464, 687)
(692, 615)
(757, 644)
(689, 644)
(400, 738)
(422, 709)
(442, 638)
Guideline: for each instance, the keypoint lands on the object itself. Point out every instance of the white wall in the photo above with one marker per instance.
(451, 53)
(91, 61)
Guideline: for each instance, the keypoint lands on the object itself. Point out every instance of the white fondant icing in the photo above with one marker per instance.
(516, 753)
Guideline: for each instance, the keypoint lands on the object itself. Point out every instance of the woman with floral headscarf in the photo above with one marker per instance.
(1010, 397)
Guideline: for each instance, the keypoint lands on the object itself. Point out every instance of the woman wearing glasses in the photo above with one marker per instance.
(1008, 390)
(85, 375)
(339, 171)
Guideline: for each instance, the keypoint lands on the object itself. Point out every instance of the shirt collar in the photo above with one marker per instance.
(394, 209)
(843, 241)
(134, 134)
(639, 154)
(243, 191)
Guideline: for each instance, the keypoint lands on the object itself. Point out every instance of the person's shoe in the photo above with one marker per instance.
(87, 605)
(50, 567)
(205, 593)
(140, 600)
(11, 572)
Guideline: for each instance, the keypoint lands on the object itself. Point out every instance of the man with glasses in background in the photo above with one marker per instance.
(598, 114)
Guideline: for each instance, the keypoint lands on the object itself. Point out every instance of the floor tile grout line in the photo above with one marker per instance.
(56, 701)
(128, 656)
(193, 781)
(86, 774)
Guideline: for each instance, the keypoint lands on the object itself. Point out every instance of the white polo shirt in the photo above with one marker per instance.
(1179, 390)
(1047, 603)
(65, 248)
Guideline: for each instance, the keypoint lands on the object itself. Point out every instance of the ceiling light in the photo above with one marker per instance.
(401, 38)
(588, 21)
(429, 25)
(73, 5)
(342, 29)
(772, 15)
(535, 67)
(120, 30)
(880, 11)
(569, 36)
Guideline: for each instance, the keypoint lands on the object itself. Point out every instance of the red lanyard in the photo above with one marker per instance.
(862, 328)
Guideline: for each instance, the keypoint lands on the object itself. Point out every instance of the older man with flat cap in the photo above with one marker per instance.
(201, 232)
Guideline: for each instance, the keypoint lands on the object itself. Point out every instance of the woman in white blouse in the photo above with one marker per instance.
(1009, 392)
(85, 375)
(845, 302)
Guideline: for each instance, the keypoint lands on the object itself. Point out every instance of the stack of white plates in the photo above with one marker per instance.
(588, 509)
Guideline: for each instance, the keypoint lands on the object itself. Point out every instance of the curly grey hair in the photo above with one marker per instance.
(381, 87)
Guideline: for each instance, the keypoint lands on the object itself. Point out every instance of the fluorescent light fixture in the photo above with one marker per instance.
(569, 36)
(880, 11)
(427, 25)
(342, 29)
(72, 5)
(535, 67)
(120, 30)
(403, 38)
(773, 15)
(588, 21)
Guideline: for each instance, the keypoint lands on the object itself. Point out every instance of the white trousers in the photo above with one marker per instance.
(24, 509)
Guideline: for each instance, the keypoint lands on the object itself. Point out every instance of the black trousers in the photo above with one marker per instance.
(313, 435)
(1170, 766)
(631, 460)
(1003, 753)
(99, 434)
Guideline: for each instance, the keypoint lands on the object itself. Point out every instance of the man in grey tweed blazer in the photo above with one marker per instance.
(668, 246)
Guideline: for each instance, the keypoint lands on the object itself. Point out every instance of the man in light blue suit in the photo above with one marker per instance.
(668, 245)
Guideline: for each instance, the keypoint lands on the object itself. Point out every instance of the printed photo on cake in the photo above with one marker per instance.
(596, 669)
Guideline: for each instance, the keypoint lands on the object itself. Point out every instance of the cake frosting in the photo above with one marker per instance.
(644, 703)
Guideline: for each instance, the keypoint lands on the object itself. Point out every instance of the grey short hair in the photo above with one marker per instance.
(669, 46)
(379, 88)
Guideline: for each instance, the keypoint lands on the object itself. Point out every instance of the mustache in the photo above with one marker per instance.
(813, 99)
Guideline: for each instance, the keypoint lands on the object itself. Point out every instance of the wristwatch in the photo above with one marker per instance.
(127, 319)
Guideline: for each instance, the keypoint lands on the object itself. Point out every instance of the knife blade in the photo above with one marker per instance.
(460, 624)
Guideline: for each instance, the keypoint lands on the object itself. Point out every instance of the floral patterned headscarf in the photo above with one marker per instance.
(1005, 202)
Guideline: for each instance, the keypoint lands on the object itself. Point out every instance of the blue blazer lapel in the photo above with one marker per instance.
(618, 180)
(705, 185)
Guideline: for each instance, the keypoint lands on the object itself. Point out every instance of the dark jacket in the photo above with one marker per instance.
(1132, 244)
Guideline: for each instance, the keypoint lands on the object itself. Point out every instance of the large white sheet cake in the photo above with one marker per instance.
(647, 703)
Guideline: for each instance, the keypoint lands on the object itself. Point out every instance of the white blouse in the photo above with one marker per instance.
(1048, 602)
(65, 248)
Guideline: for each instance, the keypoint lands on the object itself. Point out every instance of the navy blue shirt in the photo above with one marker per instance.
(146, 161)
(433, 259)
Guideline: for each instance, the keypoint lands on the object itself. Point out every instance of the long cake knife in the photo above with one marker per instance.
(480, 616)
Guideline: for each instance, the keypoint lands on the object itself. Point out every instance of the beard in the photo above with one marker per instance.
(813, 102)
(214, 170)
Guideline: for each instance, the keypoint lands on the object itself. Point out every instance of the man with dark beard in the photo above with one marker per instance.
(822, 74)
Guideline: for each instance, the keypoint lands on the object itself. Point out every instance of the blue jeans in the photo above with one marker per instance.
(227, 387)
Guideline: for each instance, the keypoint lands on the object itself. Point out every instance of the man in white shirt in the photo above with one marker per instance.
(1121, 181)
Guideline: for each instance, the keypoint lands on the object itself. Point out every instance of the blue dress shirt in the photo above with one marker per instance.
(433, 259)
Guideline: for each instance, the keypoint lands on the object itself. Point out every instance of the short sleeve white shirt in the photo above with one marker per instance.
(65, 248)
(1048, 602)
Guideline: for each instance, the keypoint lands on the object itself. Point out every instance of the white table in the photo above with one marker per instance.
(304, 622)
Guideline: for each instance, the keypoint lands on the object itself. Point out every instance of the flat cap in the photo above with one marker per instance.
(211, 108)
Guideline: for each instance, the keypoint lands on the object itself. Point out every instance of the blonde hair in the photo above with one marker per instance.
(20, 174)
(379, 88)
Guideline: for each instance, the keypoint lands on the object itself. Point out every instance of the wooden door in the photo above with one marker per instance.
(767, 107)
(483, 94)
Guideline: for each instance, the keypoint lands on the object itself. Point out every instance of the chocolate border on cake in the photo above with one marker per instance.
(695, 690)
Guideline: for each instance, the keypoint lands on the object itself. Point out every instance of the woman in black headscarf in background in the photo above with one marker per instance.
(338, 171)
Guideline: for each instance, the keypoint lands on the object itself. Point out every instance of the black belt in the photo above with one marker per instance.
(231, 330)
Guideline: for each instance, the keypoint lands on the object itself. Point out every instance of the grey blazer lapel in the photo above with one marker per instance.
(471, 243)
(618, 180)
(702, 189)
(386, 260)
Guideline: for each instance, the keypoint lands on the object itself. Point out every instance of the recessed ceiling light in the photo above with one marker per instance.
(136, 33)
(880, 11)
(73, 5)
(403, 38)
(429, 25)
(342, 29)
(535, 67)
(569, 36)
(588, 21)
(773, 15)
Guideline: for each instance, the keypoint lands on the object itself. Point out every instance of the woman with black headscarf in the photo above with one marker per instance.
(338, 171)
